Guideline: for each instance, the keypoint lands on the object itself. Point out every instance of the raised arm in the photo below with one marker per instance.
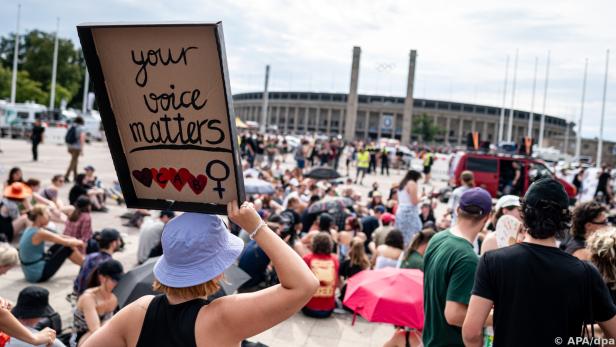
(250, 314)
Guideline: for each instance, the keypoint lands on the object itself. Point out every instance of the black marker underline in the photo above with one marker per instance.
(176, 147)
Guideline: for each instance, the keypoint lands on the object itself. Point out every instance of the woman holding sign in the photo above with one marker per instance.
(197, 249)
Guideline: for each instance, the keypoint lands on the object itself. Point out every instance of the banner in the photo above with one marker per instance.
(166, 106)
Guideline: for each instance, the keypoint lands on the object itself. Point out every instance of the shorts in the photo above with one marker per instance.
(427, 169)
(301, 163)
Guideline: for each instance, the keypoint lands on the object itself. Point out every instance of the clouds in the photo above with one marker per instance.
(461, 45)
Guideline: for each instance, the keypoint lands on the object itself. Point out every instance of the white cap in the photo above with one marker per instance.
(508, 201)
(294, 182)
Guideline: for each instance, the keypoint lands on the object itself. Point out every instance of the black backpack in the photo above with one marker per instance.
(71, 135)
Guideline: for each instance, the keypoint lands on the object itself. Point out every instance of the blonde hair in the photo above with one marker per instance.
(200, 290)
(37, 210)
(602, 248)
(357, 254)
(8, 255)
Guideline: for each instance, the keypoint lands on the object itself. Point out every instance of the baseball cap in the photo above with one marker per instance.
(507, 201)
(110, 234)
(388, 218)
(476, 198)
(547, 190)
(88, 168)
(196, 248)
(379, 209)
(111, 268)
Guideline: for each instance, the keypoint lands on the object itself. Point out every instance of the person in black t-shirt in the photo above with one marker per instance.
(540, 294)
(604, 184)
(36, 137)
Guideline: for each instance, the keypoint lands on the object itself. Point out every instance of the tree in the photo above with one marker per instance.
(27, 89)
(36, 59)
(424, 127)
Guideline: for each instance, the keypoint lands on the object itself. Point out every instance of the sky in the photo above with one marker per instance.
(462, 46)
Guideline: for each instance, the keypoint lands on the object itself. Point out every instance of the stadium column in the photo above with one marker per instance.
(329, 120)
(407, 117)
(460, 130)
(351, 109)
(447, 126)
(378, 130)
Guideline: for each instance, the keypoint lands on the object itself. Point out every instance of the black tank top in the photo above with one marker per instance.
(167, 325)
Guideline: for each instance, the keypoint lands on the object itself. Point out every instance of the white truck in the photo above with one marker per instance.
(16, 119)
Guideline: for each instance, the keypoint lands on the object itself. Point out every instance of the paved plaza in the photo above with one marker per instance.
(53, 159)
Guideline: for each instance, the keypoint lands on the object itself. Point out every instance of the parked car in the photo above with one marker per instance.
(491, 171)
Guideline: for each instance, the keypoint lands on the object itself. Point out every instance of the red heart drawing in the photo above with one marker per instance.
(177, 180)
(144, 176)
(197, 184)
(162, 176)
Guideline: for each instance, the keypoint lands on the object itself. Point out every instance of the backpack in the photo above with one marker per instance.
(71, 135)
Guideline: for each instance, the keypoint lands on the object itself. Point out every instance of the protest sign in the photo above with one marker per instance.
(166, 105)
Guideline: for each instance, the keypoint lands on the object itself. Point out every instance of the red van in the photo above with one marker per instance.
(494, 171)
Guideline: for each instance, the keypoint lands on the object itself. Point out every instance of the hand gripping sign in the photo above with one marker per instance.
(166, 105)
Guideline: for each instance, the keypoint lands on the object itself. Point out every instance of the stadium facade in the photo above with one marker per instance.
(383, 117)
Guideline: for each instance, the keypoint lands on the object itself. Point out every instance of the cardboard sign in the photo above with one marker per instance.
(166, 106)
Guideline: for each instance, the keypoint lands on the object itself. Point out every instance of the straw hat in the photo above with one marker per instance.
(18, 191)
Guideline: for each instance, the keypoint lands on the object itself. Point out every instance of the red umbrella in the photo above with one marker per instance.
(388, 295)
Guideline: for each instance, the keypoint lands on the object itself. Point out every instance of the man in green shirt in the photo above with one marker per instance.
(449, 271)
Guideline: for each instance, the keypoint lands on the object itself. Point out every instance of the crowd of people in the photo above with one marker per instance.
(488, 264)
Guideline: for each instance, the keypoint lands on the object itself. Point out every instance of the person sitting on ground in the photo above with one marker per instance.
(325, 267)
(324, 223)
(80, 188)
(506, 234)
(33, 311)
(51, 192)
(97, 304)
(387, 254)
(412, 258)
(79, 224)
(587, 218)
(197, 249)
(378, 237)
(95, 184)
(15, 175)
(255, 262)
(37, 198)
(12, 220)
(9, 325)
(109, 241)
(149, 235)
(602, 249)
(355, 262)
(542, 277)
(36, 264)
(426, 214)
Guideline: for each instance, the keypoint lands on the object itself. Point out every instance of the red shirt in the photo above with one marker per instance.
(80, 229)
(325, 268)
